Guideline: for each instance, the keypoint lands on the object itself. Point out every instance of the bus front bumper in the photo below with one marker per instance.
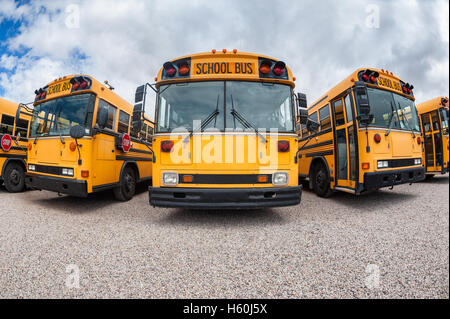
(56, 184)
(225, 198)
(389, 178)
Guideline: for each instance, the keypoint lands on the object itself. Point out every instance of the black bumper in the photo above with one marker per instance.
(57, 184)
(225, 198)
(377, 180)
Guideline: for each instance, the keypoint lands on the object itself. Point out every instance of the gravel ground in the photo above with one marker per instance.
(387, 244)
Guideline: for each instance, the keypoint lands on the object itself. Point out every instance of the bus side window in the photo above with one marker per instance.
(124, 122)
(325, 119)
(348, 108)
(314, 117)
(22, 128)
(111, 123)
(7, 125)
(435, 120)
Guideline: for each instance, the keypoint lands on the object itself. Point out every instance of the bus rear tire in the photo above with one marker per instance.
(321, 181)
(127, 185)
(14, 178)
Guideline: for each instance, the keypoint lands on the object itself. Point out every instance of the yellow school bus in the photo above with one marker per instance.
(13, 146)
(368, 136)
(434, 119)
(225, 132)
(80, 140)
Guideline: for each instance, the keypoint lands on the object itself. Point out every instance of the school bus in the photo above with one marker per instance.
(225, 132)
(13, 147)
(434, 119)
(368, 136)
(80, 140)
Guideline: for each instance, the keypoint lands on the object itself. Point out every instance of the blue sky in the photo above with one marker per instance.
(126, 43)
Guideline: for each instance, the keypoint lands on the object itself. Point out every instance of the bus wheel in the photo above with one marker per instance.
(14, 178)
(321, 181)
(127, 185)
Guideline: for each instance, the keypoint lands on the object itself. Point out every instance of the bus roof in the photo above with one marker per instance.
(225, 65)
(432, 104)
(105, 92)
(390, 82)
(8, 107)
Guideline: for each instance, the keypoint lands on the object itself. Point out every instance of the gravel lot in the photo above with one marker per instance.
(388, 244)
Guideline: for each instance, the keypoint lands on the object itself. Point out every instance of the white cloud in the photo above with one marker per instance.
(126, 42)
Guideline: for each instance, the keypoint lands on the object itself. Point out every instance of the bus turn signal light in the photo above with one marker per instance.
(85, 174)
(283, 146)
(262, 179)
(73, 146)
(166, 146)
(188, 178)
(365, 166)
(377, 138)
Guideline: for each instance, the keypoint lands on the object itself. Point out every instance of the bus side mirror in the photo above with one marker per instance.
(312, 126)
(77, 132)
(139, 96)
(102, 117)
(302, 116)
(301, 101)
(362, 98)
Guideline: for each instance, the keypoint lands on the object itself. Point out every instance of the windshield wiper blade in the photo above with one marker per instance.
(205, 122)
(391, 120)
(243, 121)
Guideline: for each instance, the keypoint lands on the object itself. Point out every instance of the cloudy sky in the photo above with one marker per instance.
(126, 42)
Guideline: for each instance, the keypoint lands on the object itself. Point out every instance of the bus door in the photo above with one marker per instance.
(433, 141)
(345, 142)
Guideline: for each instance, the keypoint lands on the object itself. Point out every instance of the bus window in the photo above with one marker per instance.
(7, 125)
(444, 121)
(339, 113)
(124, 120)
(435, 120)
(426, 123)
(22, 127)
(111, 124)
(325, 119)
(304, 130)
(143, 132)
(314, 117)
(348, 108)
(342, 151)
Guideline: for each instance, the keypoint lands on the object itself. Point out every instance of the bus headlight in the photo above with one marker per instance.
(418, 161)
(67, 171)
(383, 164)
(280, 178)
(31, 167)
(170, 178)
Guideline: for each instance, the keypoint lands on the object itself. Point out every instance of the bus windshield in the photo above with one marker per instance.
(56, 117)
(263, 106)
(392, 110)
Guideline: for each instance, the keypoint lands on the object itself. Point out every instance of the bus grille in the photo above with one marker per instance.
(401, 162)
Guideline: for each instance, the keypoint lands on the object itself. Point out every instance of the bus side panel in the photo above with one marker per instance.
(105, 167)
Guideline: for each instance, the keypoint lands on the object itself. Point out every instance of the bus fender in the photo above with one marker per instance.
(17, 160)
(315, 160)
(132, 164)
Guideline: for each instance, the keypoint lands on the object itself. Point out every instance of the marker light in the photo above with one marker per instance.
(262, 179)
(170, 69)
(166, 146)
(377, 138)
(279, 68)
(419, 140)
(188, 178)
(30, 146)
(365, 166)
(73, 146)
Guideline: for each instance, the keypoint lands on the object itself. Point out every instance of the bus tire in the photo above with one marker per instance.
(127, 185)
(321, 181)
(14, 178)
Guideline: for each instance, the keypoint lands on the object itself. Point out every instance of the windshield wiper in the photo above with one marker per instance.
(243, 121)
(205, 122)
(391, 120)
(406, 122)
